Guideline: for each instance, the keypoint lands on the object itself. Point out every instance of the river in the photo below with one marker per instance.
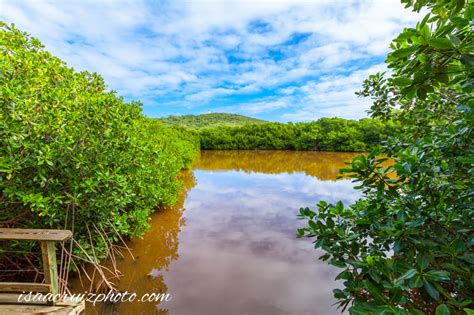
(228, 247)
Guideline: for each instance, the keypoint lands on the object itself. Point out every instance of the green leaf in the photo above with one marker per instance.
(425, 31)
(402, 81)
(438, 275)
(440, 43)
(374, 275)
(346, 274)
(339, 207)
(374, 291)
(338, 263)
(300, 233)
(469, 257)
(459, 5)
(454, 40)
(407, 275)
(339, 294)
(423, 22)
(319, 243)
(469, 311)
(467, 160)
(369, 259)
(402, 52)
(416, 282)
(421, 92)
(442, 309)
(431, 290)
(467, 60)
(312, 225)
(423, 261)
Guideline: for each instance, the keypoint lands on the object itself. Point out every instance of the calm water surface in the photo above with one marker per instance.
(229, 246)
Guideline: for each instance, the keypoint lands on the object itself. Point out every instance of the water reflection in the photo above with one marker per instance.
(322, 165)
(237, 252)
(152, 257)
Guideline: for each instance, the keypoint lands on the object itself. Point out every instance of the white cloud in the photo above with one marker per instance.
(264, 106)
(333, 96)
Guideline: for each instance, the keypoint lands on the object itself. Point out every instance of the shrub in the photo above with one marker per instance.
(406, 247)
(75, 155)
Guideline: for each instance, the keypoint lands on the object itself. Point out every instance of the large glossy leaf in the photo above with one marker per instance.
(442, 309)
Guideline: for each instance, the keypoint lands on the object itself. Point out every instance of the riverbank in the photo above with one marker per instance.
(76, 156)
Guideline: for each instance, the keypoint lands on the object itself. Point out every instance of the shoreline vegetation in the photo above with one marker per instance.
(221, 131)
(76, 156)
(325, 134)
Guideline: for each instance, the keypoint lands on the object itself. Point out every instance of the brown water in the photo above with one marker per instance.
(229, 246)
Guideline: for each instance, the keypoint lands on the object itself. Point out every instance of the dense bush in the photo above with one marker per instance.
(74, 155)
(325, 134)
(407, 246)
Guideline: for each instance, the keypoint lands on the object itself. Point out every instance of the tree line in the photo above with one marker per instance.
(325, 134)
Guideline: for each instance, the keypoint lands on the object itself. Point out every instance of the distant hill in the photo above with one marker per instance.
(210, 120)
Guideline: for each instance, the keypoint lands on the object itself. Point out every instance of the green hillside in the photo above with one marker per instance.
(210, 120)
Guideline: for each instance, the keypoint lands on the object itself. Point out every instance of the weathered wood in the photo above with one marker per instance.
(14, 298)
(50, 266)
(34, 234)
(9, 298)
(47, 239)
(40, 309)
(9, 305)
(24, 287)
(34, 309)
(17, 298)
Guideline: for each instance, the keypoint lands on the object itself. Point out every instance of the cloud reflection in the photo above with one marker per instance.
(238, 253)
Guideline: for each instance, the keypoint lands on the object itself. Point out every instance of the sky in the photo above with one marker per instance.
(278, 60)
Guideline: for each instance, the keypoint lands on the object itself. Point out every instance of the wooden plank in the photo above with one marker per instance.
(14, 298)
(34, 234)
(50, 265)
(9, 298)
(24, 287)
(37, 309)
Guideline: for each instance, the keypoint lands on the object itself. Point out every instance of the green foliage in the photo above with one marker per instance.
(326, 134)
(73, 155)
(407, 246)
(210, 120)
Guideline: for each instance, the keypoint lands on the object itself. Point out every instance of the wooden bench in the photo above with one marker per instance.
(9, 302)
(47, 239)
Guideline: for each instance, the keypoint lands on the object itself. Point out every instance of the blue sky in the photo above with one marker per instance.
(276, 60)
